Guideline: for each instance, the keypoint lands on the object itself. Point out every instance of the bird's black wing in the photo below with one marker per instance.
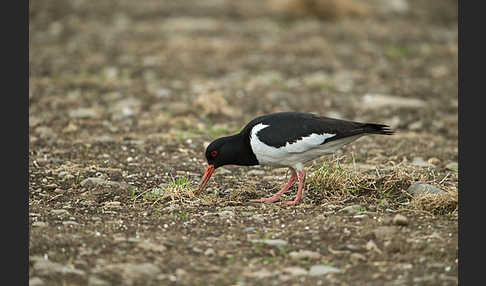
(289, 127)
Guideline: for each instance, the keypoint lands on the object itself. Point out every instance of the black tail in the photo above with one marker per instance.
(377, 129)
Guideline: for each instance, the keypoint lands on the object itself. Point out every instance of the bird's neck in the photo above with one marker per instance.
(241, 150)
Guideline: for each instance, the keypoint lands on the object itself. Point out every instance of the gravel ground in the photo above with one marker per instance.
(125, 95)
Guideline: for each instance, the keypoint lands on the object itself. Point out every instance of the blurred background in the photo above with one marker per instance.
(189, 71)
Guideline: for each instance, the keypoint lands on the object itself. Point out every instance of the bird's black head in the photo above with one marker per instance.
(230, 150)
(220, 152)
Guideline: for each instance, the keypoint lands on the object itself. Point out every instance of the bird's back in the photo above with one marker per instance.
(295, 136)
(288, 127)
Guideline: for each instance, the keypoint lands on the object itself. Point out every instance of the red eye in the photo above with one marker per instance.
(214, 153)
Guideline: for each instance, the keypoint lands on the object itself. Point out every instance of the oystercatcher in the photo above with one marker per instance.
(285, 139)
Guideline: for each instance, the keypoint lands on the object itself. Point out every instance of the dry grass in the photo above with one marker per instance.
(437, 204)
(177, 191)
(336, 182)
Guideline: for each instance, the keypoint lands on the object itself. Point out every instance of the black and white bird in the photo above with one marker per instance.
(285, 139)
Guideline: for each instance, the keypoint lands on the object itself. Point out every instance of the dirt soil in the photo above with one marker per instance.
(125, 95)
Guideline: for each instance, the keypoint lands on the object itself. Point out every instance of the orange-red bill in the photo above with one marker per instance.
(209, 171)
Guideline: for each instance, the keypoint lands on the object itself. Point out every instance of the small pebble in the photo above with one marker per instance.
(357, 257)
(399, 219)
(36, 281)
(225, 213)
(453, 166)
(209, 252)
(39, 224)
(70, 222)
(271, 242)
(59, 212)
(318, 270)
(295, 271)
(303, 254)
(420, 188)
(351, 210)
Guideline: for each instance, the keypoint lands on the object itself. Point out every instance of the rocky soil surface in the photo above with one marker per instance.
(125, 95)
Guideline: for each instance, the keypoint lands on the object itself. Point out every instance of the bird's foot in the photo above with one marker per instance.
(266, 200)
(288, 203)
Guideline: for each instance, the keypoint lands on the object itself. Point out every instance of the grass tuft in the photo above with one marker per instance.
(337, 182)
(178, 190)
(438, 204)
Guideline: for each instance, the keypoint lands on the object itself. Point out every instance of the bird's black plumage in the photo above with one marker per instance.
(288, 127)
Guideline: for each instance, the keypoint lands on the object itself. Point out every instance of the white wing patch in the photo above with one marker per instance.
(307, 143)
(257, 128)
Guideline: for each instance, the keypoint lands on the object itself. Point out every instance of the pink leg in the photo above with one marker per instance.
(277, 196)
(299, 191)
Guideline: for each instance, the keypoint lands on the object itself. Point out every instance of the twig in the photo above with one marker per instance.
(54, 197)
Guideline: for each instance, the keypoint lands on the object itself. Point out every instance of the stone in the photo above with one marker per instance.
(255, 173)
(385, 231)
(361, 216)
(180, 272)
(70, 128)
(45, 132)
(399, 219)
(162, 92)
(378, 101)
(209, 252)
(224, 171)
(263, 273)
(47, 267)
(59, 212)
(95, 281)
(214, 103)
(371, 245)
(83, 113)
(331, 207)
(318, 270)
(152, 246)
(420, 162)
(453, 166)
(39, 224)
(226, 214)
(357, 257)
(112, 205)
(295, 271)
(104, 138)
(35, 281)
(420, 188)
(93, 181)
(394, 6)
(134, 271)
(303, 254)
(350, 210)
(434, 160)
(271, 242)
(125, 108)
(70, 222)
(62, 174)
(417, 125)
